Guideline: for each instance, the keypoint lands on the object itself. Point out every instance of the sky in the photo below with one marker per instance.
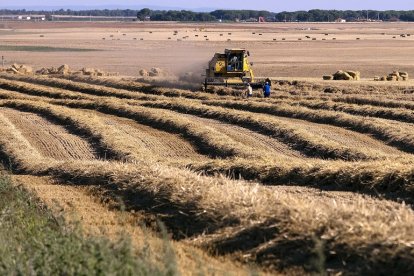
(203, 5)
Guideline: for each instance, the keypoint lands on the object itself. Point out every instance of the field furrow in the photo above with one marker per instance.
(249, 138)
(399, 114)
(51, 140)
(308, 142)
(395, 134)
(344, 136)
(151, 141)
(245, 179)
(222, 215)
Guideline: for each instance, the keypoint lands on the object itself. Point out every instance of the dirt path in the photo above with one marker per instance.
(152, 142)
(77, 204)
(344, 136)
(50, 139)
(249, 138)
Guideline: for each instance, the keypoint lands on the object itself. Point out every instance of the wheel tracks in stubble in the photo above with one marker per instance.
(249, 138)
(156, 142)
(342, 224)
(333, 134)
(50, 139)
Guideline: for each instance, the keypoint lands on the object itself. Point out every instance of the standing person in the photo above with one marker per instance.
(234, 61)
(249, 91)
(266, 90)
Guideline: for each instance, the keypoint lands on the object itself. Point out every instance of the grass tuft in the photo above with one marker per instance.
(33, 242)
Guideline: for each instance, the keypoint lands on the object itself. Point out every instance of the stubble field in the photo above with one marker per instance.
(319, 178)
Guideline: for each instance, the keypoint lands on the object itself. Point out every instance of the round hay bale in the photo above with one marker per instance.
(88, 71)
(155, 72)
(354, 74)
(341, 75)
(395, 74)
(403, 74)
(42, 71)
(25, 70)
(143, 73)
(64, 69)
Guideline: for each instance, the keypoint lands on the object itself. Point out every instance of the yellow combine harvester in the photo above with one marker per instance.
(231, 69)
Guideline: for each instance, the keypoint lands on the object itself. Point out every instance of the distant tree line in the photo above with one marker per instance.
(233, 15)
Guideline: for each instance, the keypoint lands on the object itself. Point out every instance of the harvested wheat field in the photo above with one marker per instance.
(305, 182)
(317, 179)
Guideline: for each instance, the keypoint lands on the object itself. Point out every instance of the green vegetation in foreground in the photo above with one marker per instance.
(33, 242)
(42, 49)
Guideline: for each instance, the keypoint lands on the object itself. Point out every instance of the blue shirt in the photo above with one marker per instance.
(266, 89)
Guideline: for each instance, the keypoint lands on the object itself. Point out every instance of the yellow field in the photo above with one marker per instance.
(316, 179)
(120, 48)
(304, 182)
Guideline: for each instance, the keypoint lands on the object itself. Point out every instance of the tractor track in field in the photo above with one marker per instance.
(50, 139)
(249, 138)
(351, 205)
(343, 136)
(151, 142)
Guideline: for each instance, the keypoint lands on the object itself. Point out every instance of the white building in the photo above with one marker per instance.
(340, 20)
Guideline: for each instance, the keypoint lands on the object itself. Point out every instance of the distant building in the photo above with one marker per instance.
(91, 18)
(35, 17)
(340, 20)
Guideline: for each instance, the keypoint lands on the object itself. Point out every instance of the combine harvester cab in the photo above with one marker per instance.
(230, 69)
